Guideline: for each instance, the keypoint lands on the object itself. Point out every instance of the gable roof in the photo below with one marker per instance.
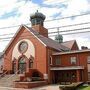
(69, 44)
(48, 42)
(13, 38)
(44, 40)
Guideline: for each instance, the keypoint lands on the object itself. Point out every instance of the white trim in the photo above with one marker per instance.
(67, 68)
(35, 36)
(18, 32)
(75, 51)
(13, 38)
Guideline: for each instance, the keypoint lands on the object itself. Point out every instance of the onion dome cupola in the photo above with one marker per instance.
(37, 18)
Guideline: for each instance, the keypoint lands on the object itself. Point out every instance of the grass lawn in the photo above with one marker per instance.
(84, 88)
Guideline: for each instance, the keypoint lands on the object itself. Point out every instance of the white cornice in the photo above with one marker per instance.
(18, 32)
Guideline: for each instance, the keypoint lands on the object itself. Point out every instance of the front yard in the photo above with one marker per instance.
(84, 88)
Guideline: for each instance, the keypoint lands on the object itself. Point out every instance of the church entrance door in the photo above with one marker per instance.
(22, 65)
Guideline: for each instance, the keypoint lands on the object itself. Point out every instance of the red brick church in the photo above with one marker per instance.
(34, 56)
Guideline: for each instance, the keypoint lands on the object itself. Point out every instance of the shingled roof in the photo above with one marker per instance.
(46, 41)
(69, 44)
(49, 42)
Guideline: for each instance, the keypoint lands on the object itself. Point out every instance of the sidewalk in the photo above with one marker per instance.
(48, 87)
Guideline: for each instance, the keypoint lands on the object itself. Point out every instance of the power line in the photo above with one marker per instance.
(55, 32)
(70, 25)
(56, 27)
(68, 17)
(71, 30)
(72, 33)
(53, 35)
(47, 20)
(26, 1)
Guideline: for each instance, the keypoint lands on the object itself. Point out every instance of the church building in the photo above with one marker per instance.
(36, 57)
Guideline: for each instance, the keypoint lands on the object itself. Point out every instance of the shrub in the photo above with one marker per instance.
(67, 87)
(36, 79)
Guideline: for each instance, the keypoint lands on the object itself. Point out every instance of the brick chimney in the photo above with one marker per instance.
(37, 22)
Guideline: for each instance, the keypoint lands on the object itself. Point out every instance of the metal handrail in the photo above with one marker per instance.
(7, 84)
(13, 74)
(3, 74)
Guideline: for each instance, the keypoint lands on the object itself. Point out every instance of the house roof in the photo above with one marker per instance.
(69, 44)
(49, 42)
(73, 51)
(44, 40)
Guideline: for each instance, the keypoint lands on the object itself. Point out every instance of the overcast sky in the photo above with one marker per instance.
(17, 12)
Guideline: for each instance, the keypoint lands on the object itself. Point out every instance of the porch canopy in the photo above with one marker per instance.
(67, 68)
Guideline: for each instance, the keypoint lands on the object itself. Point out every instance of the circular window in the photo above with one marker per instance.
(23, 47)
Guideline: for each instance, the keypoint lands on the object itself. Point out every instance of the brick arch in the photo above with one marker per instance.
(21, 57)
(30, 51)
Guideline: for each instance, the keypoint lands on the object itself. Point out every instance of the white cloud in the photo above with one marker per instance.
(49, 12)
(74, 7)
(53, 2)
(4, 3)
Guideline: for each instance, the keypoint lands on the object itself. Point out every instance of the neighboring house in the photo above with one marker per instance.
(72, 45)
(71, 66)
(32, 53)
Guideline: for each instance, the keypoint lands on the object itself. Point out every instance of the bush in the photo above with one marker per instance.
(36, 79)
(67, 87)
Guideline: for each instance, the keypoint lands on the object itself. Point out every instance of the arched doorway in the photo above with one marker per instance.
(22, 65)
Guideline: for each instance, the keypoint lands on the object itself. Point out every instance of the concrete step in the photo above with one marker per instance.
(8, 80)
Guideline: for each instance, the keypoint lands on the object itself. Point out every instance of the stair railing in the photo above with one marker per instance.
(13, 74)
(8, 79)
(3, 74)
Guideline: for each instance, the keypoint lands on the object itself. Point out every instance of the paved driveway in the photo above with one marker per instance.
(49, 87)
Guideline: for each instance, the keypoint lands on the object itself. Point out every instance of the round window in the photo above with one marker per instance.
(23, 47)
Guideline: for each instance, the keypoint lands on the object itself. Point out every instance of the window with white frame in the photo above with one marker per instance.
(57, 61)
(88, 59)
(73, 60)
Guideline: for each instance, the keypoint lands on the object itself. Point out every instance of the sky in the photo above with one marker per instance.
(17, 12)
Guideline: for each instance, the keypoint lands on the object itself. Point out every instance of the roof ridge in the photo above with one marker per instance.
(44, 40)
(48, 39)
(69, 41)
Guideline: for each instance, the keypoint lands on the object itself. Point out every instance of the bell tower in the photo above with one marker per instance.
(37, 22)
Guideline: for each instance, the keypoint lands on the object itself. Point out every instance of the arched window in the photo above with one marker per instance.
(30, 63)
(22, 60)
